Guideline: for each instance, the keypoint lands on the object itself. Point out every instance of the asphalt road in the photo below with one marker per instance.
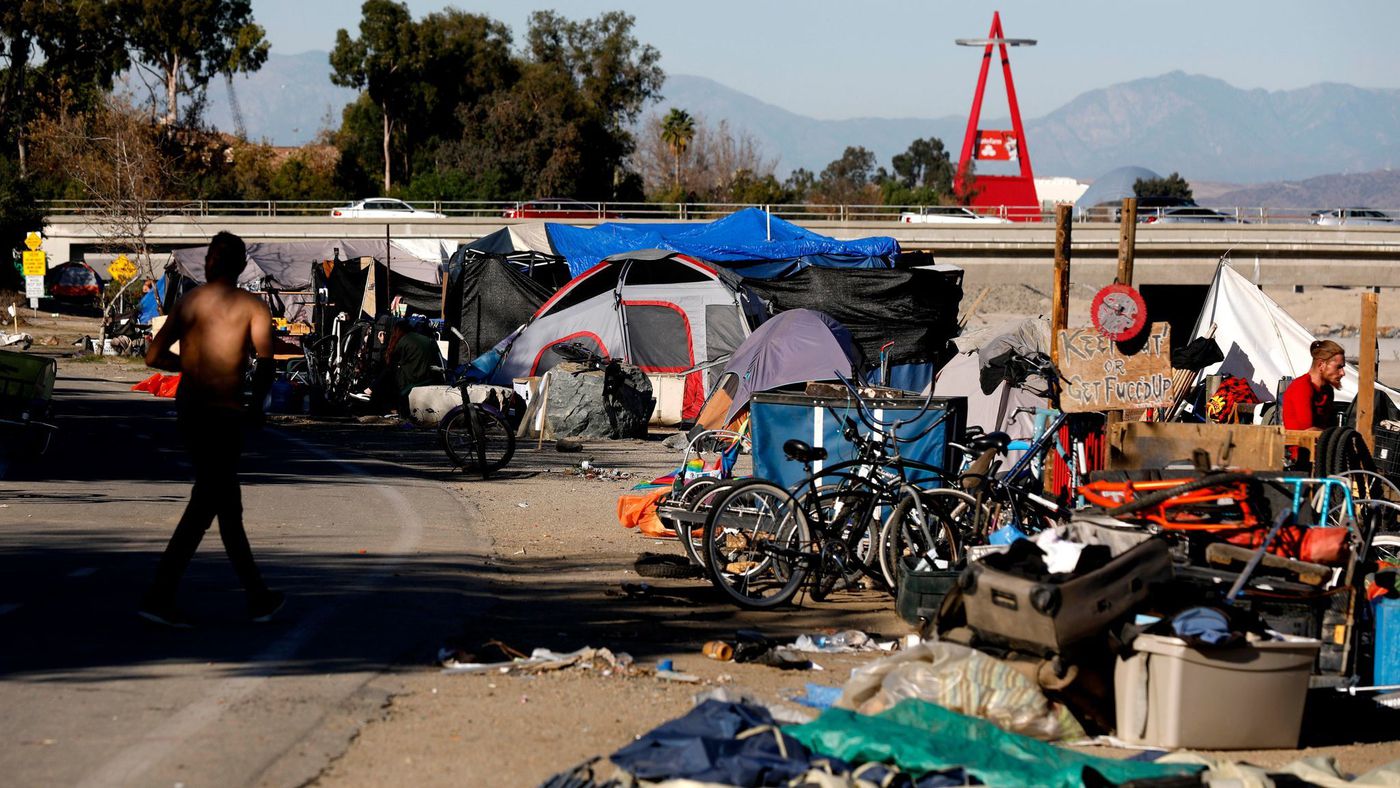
(375, 558)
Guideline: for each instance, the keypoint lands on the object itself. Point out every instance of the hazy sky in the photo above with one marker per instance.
(896, 58)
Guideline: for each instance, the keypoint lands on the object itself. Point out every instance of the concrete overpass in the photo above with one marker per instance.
(1276, 254)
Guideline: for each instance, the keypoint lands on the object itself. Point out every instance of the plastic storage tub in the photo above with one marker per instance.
(1387, 648)
(1244, 697)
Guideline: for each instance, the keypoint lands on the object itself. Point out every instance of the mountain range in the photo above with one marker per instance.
(1202, 127)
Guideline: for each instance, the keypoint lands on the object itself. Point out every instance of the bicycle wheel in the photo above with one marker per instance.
(843, 517)
(756, 543)
(1386, 547)
(696, 496)
(925, 533)
(477, 439)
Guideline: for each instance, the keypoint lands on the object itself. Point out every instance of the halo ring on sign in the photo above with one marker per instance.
(1118, 312)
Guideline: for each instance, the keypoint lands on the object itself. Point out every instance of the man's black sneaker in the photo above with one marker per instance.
(266, 606)
(166, 616)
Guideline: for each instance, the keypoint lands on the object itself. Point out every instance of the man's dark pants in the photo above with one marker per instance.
(214, 439)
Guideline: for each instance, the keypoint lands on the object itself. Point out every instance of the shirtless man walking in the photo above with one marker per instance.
(216, 324)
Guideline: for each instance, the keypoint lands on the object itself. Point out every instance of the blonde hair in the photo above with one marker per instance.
(1323, 349)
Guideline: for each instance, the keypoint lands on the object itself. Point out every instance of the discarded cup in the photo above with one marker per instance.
(718, 650)
(664, 664)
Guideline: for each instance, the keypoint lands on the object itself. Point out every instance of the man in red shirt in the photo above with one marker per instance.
(1307, 402)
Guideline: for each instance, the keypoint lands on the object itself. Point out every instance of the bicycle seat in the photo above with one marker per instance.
(802, 451)
(992, 440)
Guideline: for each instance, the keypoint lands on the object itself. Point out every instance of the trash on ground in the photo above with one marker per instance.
(846, 642)
(817, 696)
(543, 660)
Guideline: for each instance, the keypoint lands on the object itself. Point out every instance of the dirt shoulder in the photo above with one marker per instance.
(556, 569)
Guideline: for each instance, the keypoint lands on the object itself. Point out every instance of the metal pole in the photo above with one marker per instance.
(388, 263)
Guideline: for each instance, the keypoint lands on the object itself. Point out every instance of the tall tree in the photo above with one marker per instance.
(462, 59)
(1171, 186)
(53, 56)
(614, 71)
(563, 127)
(924, 165)
(848, 179)
(677, 130)
(186, 43)
(382, 63)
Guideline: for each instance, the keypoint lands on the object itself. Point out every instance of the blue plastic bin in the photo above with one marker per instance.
(1387, 661)
(775, 418)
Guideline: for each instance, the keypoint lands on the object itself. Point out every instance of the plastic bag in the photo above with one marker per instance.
(964, 680)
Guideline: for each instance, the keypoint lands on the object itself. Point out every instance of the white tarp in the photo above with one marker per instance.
(286, 265)
(532, 236)
(1262, 343)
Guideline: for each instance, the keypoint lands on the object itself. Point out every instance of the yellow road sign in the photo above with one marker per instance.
(33, 241)
(121, 269)
(35, 264)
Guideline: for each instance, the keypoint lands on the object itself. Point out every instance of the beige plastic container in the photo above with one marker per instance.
(1246, 697)
(669, 393)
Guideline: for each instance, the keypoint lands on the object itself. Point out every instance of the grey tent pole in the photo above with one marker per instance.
(388, 265)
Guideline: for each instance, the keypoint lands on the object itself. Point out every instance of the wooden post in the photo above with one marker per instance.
(1059, 310)
(1127, 237)
(1366, 386)
(1059, 296)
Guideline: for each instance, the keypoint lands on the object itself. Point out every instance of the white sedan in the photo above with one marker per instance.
(949, 214)
(1340, 217)
(382, 208)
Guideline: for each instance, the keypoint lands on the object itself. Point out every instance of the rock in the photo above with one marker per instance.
(568, 445)
(614, 402)
(677, 442)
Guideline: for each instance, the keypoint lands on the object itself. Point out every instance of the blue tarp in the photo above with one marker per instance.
(749, 241)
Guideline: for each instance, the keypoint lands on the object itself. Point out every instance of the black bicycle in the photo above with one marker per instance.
(934, 528)
(763, 542)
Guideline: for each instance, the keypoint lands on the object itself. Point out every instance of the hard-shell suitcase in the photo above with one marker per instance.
(1050, 616)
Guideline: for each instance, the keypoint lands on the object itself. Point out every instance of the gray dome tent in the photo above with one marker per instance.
(1111, 188)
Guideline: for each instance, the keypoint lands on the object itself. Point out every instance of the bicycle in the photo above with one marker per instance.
(476, 437)
(935, 528)
(764, 541)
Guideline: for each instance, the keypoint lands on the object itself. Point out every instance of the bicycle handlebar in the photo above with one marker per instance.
(876, 425)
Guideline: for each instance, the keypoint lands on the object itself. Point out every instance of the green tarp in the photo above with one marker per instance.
(921, 737)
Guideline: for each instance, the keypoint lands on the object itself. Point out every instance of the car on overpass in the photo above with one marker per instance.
(1188, 214)
(558, 208)
(1340, 217)
(382, 208)
(948, 214)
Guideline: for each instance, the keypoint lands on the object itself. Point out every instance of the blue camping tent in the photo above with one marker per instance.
(750, 242)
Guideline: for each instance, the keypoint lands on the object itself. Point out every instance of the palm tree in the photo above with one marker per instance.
(677, 130)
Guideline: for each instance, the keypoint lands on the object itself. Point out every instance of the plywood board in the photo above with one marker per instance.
(1140, 444)
(1095, 375)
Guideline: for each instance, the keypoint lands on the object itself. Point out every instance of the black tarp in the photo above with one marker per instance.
(915, 308)
(547, 269)
(423, 298)
(345, 288)
(488, 297)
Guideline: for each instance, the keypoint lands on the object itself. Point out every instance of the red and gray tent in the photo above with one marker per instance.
(662, 311)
